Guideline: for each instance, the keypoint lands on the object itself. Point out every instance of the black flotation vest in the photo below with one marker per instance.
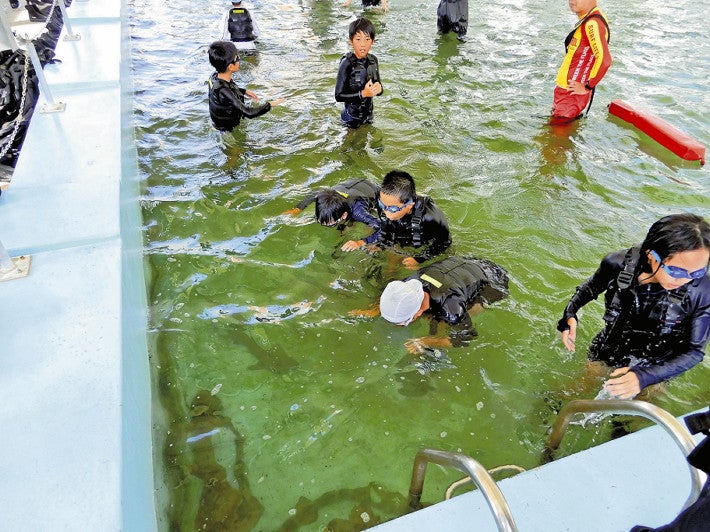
(240, 26)
(669, 315)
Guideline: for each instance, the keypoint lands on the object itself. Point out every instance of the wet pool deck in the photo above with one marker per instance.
(75, 452)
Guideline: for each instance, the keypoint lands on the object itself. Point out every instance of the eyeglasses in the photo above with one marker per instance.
(236, 60)
(393, 208)
(680, 273)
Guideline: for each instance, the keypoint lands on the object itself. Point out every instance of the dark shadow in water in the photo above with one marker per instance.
(555, 144)
(212, 491)
(270, 356)
(370, 505)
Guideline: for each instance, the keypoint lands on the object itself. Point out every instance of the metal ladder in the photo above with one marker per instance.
(670, 424)
(495, 499)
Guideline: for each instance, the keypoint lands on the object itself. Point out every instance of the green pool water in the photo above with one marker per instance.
(274, 409)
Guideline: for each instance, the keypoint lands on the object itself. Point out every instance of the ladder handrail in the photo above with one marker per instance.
(479, 475)
(637, 408)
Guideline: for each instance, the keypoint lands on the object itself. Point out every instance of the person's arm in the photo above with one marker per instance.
(340, 84)
(307, 200)
(376, 77)
(224, 29)
(255, 27)
(248, 112)
(690, 356)
(589, 290)
(361, 213)
(597, 34)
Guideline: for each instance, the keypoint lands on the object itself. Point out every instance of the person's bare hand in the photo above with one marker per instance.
(410, 262)
(626, 384)
(352, 245)
(575, 87)
(569, 337)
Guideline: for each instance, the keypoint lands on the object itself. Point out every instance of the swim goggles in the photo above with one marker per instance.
(680, 273)
(392, 208)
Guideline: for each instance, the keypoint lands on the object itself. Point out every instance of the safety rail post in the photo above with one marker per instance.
(672, 426)
(7, 31)
(479, 475)
(70, 35)
(13, 268)
(51, 106)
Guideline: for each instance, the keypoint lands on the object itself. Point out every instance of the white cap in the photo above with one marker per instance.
(401, 300)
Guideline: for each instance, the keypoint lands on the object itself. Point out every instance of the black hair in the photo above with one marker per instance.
(400, 184)
(677, 233)
(330, 206)
(361, 25)
(222, 54)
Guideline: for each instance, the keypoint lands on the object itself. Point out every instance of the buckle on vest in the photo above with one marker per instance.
(624, 279)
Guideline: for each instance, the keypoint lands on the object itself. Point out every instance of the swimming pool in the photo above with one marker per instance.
(275, 409)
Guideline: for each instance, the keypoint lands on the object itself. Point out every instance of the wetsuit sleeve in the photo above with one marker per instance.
(590, 289)
(455, 313)
(692, 355)
(361, 213)
(307, 201)
(597, 34)
(255, 28)
(341, 83)
(435, 229)
(376, 77)
(249, 112)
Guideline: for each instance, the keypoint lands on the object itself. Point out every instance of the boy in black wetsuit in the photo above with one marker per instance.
(407, 219)
(446, 290)
(354, 199)
(226, 100)
(358, 80)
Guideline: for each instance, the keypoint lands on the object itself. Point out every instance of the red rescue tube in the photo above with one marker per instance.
(661, 131)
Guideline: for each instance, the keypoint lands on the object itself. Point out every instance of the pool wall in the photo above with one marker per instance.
(75, 399)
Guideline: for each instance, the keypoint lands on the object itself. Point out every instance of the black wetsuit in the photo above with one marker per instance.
(454, 285)
(452, 15)
(662, 333)
(425, 228)
(360, 196)
(240, 25)
(353, 75)
(227, 104)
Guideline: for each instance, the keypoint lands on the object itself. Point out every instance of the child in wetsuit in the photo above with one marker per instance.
(407, 219)
(352, 200)
(358, 80)
(226, 100)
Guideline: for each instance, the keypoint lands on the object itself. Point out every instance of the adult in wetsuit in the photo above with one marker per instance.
(239, 26)
(446, 291)
(586, 61)
(358, 80)
(452, 15)
(226, 100)
(657, 299)
(354, 200)
(407, 219)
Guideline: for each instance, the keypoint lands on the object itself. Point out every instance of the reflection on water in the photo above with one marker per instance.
(254, 305)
